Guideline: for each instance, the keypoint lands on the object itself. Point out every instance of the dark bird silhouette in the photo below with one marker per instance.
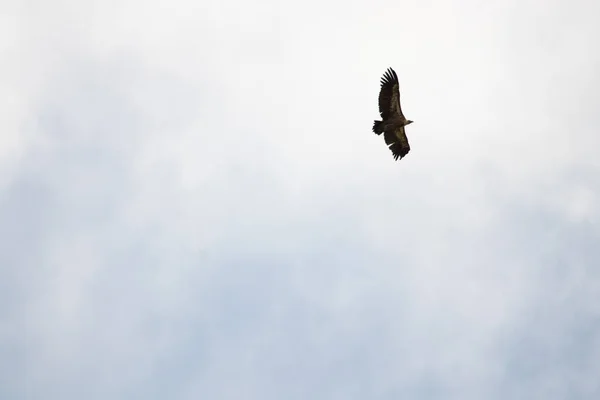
(393, 121)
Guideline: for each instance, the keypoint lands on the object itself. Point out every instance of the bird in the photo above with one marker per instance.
(393, 120)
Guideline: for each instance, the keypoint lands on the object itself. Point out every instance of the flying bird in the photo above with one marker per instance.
(393, 121)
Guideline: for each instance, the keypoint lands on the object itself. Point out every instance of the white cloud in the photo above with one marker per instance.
(194, 205)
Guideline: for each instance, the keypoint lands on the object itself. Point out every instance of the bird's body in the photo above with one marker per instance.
(393, 120)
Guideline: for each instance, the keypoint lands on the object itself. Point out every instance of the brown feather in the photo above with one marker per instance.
(389, 95)
(397, 142)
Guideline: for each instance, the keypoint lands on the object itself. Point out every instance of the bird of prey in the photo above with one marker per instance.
(393, 121)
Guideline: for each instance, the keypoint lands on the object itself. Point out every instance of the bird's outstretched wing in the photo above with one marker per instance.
(389, 95)
(397, 142)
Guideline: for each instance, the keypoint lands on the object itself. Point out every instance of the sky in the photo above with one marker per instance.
(193, 205)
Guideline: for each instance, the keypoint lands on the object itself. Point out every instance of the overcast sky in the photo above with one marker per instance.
(193, 205)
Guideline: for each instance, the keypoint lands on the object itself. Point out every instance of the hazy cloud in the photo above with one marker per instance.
(193, 204)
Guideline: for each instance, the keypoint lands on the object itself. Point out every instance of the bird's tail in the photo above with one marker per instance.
(377, 128)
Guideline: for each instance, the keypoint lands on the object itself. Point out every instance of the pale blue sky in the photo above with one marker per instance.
(193, 205)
